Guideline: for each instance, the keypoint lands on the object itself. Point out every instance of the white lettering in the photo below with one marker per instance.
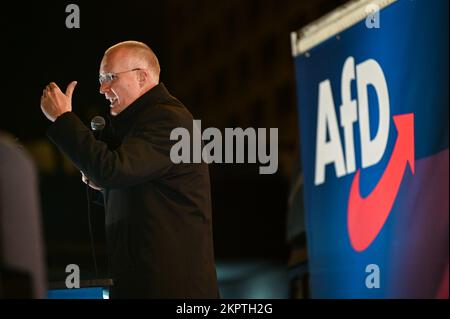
(370, 73)
(212, 151)
(331, 151)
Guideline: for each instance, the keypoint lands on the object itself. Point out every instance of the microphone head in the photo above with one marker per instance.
(97, 123)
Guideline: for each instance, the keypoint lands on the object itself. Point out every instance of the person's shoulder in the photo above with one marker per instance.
(171, 112)
(13, 153)
(16, 164)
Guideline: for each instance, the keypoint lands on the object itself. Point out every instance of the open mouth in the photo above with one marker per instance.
(112, 101)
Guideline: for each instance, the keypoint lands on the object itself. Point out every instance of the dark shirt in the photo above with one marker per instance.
(158, 214)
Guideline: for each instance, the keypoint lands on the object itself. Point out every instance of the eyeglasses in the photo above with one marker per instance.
(108, 77)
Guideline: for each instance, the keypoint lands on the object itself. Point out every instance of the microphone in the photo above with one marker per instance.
(97, 125)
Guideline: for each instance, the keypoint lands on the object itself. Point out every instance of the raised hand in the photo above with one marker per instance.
(54, 102)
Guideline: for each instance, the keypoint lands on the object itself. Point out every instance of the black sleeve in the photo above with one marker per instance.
(142, 156)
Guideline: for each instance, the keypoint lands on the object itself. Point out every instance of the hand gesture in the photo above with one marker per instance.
(54, 102)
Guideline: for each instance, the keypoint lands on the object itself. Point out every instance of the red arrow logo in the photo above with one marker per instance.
(366, 216)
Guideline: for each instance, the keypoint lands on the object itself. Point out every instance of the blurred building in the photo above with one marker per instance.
(231, 62)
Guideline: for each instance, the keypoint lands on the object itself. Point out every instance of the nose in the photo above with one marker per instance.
(104, 87)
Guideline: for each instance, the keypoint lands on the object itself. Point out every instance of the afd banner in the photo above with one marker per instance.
(373, 101)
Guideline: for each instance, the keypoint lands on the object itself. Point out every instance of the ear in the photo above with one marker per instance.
(142, 77)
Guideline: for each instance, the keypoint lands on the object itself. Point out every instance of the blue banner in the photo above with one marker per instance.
(373, 113)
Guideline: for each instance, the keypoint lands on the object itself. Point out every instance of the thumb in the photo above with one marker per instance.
(70, 88)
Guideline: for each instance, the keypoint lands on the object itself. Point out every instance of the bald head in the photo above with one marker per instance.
(135, 69)
(137, 55)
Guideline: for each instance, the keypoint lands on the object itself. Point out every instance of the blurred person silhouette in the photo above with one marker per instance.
(22, 264)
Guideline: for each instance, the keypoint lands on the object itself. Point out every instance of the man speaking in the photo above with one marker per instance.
(158, 214)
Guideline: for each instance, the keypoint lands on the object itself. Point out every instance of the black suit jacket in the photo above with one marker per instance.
(158, 214)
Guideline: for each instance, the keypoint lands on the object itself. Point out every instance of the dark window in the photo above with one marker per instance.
(220, 84)
(270, 53)
(285, 100)
(244, 69)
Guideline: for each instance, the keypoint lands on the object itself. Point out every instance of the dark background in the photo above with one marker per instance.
(229, 62)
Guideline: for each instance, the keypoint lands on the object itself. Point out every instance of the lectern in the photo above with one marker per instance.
(89, 289)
